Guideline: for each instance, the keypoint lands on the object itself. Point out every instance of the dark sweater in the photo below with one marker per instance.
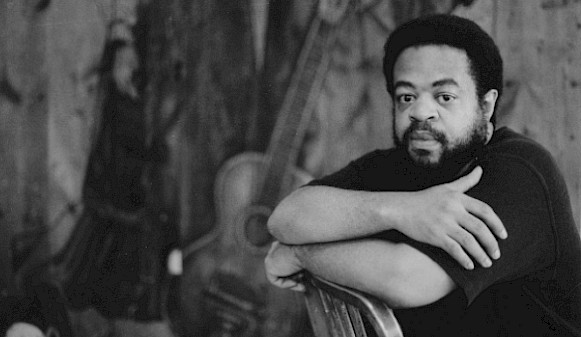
(534, 289)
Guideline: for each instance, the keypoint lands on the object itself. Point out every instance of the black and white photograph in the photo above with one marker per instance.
(290, 168)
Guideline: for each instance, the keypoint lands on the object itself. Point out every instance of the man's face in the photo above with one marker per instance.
(436, 109)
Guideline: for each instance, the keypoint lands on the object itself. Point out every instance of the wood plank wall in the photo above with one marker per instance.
(540, 41)
(23, 131)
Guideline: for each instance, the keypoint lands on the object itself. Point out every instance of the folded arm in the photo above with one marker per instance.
(442, 216)
(398, 274)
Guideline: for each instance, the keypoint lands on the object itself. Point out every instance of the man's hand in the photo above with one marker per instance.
(445, 217)
(282, 266)
(125, 64)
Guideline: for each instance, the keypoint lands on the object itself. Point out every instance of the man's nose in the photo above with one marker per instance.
(424, 109)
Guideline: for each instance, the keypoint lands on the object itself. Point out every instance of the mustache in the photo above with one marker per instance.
(424, 126)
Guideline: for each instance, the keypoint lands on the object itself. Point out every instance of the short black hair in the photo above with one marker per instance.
(444, 29)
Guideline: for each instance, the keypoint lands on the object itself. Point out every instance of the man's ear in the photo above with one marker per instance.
(489, 103)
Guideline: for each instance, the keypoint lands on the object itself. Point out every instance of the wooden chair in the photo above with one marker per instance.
(337, 311)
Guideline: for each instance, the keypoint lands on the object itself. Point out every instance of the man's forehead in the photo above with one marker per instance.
(431, 65)
(444, 82)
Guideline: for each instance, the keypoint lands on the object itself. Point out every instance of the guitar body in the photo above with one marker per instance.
(229, 294)
(225, 291)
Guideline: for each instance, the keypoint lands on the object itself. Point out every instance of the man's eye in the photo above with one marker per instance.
(445, 98)
(405, 98)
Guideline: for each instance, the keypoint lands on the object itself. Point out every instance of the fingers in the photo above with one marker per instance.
(453, 248)
(289, 282)
(468, 181)
(475, 234)
(471, 247)
(281, 268)
(471, 241)
(487, 215)
(482, 234)
(274, 246)
(474, 227)
(479, 226)
(476, 207)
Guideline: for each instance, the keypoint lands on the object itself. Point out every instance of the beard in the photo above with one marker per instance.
(452, 153)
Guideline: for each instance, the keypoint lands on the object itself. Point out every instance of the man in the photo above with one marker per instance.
(463, 229)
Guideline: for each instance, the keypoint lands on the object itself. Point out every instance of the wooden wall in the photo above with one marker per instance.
(23, 133)
(540, 41)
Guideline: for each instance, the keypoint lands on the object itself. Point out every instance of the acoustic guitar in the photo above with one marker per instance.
(232, 296)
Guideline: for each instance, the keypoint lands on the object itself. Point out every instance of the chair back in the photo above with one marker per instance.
(337, 311)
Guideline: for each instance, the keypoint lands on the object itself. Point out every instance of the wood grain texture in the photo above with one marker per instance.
(23, 132)
(540, 43)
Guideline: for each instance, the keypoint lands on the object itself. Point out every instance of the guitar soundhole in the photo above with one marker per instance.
(256, 231)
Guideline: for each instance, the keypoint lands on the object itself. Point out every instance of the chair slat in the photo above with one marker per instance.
(356, 321)
(337, 311)
(343, 317)
(316, 311)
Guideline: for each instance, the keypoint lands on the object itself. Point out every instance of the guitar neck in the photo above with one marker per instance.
(296, 110)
